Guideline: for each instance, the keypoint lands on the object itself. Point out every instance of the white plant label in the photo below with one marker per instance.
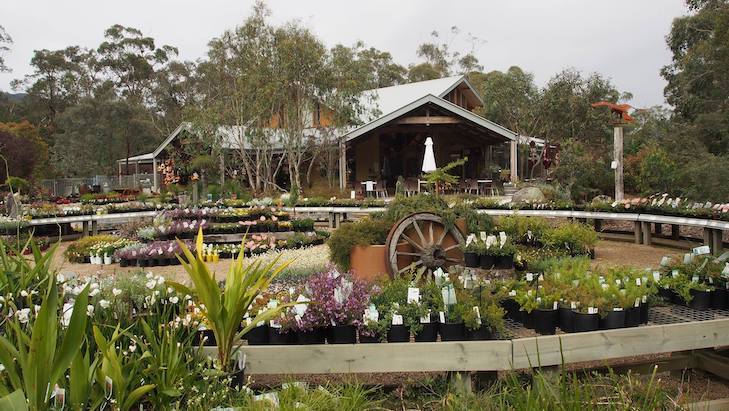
(725, 271)
(711, 280)
(425, 319)
(637, 282)
(471, 238)
(665, 261)
(645, 299)
(441, 315)
(529, 277)
(529, 235)
(478, 315)
(554, 305)
(674, 273)
(396, 319)
(413, 295)
(687, 258)
(573, 305)
(695, 279)
(592, 310)
(637, 302)
(704, 249)
(656, 276)
(617, 309)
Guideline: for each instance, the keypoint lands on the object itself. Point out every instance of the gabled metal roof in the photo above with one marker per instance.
(445, 104)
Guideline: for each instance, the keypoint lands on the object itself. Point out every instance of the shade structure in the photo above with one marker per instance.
(429, 158)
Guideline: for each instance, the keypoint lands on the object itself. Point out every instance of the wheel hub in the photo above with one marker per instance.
(433, 257)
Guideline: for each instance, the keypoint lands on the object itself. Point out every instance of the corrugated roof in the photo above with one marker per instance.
(388, 99)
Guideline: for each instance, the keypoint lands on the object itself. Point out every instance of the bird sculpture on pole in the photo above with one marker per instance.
(621, 116)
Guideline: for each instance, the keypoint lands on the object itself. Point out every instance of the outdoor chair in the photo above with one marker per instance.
(411, 186)
(470, 186)
(381, 189)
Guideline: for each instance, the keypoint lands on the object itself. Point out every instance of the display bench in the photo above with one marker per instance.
(670, 329)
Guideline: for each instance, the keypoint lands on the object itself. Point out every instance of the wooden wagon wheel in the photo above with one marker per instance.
(422, 240)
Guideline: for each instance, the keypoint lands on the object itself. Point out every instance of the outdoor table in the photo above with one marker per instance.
(422, 183)
(483, 184)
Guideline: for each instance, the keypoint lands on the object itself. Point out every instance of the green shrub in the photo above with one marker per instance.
(365, 231)
(576, 237)
(518, 227)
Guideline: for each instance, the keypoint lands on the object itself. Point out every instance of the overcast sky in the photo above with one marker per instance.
(624, 40)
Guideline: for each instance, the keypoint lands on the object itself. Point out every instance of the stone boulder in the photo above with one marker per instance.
(529, 195)
(602, 199)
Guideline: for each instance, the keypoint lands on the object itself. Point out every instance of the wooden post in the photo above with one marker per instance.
(85, 228)
(658, 229)
(618, 154)
(637, 230)
(332, 223)
(94, 227)
(708, 237)
(513, 161)
(598, 224)
(646, 229)
(717, 243)
(155, 183)
(342, 164)
(675, 232)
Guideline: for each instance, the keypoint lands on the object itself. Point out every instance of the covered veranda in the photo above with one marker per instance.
(393, 147)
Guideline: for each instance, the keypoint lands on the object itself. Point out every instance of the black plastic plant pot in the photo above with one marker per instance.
(512, 309)
(470, 259)
(701, 300)
(206, 337)
(276, 337)
(123, 262)
(237, 379)
(429, 333)
(452, 332)
(644, 310)
(665, 293)
(585, 322)
(632, 317)
(343, 334)
(486, 261)
(527, 319)
(566, 320)
(144, 262)
(720, 299)
(257, 335)
(160, 261)
(505, 261)
(545, 321)
(613, 320)
(398, 333)
(369, 339)
(480, 334)
(308, 337)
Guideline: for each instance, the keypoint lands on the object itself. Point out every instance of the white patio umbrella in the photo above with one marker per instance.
(429, 158)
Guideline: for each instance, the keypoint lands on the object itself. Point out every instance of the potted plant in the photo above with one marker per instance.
(545, 313)
(485, 319)
(612, 314)
(527, 301)
(453, 328)
(585, 318)
(472, 251)
(225, 309)
(430, 299)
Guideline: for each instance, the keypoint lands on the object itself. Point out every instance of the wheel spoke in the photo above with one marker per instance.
(408, 253)
(419, 231)
(410, 266)
(445, 250)
(442, 236)
(452, 260)
(412, 243)
(430, 229)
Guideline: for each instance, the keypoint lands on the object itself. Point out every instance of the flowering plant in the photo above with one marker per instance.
(337, 299)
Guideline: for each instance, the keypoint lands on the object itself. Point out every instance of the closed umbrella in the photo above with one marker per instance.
(429, 159)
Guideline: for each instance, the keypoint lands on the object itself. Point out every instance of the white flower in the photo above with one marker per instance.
(174, 299)
(170, 290)
(104, 304)
(67, 311)
(23, 293)
(116, 292)
(36, 308)
(90, 310)
(132, 348)
(23, 315)
(151, 284)
(94, 292)
(2, 368)
(60, 278)
(160, 280)
(150, 275)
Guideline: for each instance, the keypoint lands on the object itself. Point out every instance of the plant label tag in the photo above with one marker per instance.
(471, 238)
(605, 286)
(617, 309)
(665, 261)
(441, 315)
(725, 271)
(711, 280)
(413, 295)
(601, 279)
(396, 319)
(478, 315)
(687, 258)
(674, 273)
(439, 276)
(592, 310)
(637, 302)
(573, 305)
(637, 282)
(541, 277)
(656, 276)
(529, 277)
(617, 281)
(644, 299)
(512, 293)
(425, 319)
(614, 165)
(724, 257)
(554, 305)
(704, 249)
(483, 235)
(645, 280)
(695, 279)
(352, 194)
(529, 235)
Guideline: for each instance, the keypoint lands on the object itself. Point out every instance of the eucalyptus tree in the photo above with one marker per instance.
(5, 40)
